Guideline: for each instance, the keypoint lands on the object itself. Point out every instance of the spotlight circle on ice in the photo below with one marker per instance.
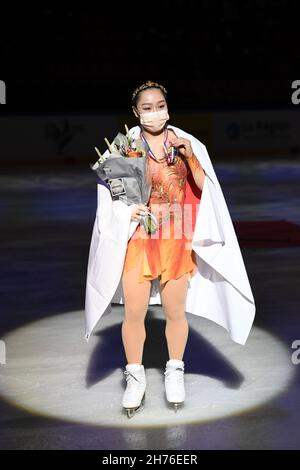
(51, 371)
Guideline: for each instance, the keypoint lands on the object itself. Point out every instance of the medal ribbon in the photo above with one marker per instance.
(170, 157)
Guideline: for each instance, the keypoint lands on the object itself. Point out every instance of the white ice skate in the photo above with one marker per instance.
(174, 382)
(135, 392)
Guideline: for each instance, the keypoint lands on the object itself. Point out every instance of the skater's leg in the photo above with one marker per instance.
(173, 295)
(136, 301)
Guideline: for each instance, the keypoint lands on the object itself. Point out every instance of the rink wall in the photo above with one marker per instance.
(71, 138)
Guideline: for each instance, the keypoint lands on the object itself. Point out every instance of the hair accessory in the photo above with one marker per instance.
(148, 84)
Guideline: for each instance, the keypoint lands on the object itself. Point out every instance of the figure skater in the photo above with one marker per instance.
(166, 257)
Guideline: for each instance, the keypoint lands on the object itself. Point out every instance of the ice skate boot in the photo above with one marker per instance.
(174, 382)
(135, 392)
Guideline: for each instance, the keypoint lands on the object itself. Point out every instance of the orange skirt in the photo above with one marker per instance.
(164, 257)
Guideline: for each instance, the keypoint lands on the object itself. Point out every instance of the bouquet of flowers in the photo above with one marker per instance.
(126, 173)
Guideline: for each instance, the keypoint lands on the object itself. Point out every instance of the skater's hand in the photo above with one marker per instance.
(184, 146)
(138, 211)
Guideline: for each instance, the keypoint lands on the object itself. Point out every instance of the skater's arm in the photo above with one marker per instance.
(184, 147)
(197, 170)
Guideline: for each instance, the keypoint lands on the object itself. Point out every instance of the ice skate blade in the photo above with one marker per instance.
(131, 411)
(176, 404)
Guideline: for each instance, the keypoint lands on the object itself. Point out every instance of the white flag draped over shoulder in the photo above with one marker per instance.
(219, 291)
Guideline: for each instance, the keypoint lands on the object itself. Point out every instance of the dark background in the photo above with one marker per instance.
(209, 54)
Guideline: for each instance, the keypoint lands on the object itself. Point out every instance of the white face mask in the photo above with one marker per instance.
(154, 121)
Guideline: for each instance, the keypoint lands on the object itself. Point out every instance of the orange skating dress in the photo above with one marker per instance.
(166, 253)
